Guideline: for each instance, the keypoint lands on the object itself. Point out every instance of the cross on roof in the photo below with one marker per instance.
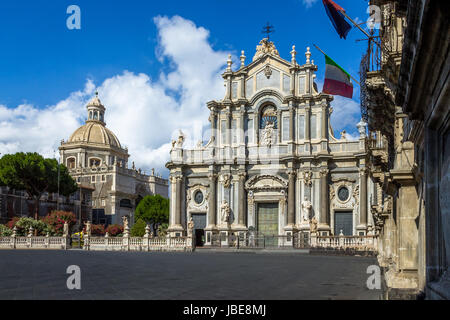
(268, 29)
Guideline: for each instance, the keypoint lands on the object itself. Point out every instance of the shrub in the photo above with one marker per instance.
(23, 226)
(98, 230)
(162, 229)
(5, 231)
(56, 220)
(114, 230)
(138, 229)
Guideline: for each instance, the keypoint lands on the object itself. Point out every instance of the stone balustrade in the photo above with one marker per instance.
(32, 242)
(145, 243)
(366, 243)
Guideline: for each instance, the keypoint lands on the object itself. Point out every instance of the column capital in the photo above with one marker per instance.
(363, 171)
(212, 176)
(242, 175)
(324, 172)
(292, 173)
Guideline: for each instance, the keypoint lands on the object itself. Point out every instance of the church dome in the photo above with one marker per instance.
(95, 131)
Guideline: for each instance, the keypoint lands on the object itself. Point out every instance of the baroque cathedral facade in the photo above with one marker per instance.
(96, 159)
(273, 163)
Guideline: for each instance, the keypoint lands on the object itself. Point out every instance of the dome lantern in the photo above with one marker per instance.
(96, 111)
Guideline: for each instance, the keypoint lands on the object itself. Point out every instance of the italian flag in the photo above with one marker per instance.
(337, 80)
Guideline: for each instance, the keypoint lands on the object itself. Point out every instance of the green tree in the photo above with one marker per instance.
(153, 210)
(35, 175)
(138, 229)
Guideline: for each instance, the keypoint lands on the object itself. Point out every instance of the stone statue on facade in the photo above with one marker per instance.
(179, 142)
(313, 226)
(267, 134)
(190, 227)
(225, 210)
(265, 46)
(306, 208)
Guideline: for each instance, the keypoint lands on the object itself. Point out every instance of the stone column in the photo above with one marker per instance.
(324, 216)
(291, 198)
(363, 197)
(178, 201)
(212, 119)
(212, 199)
(242, 199)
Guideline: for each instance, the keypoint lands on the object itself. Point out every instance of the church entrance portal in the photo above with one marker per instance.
(199, 228)
(267, 221)
(343, 220)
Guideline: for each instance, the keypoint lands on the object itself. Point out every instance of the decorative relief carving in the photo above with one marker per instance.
(267, 71)
(356, 194)
(307, 178)
(265, 46)
(226, 180)
(266, 183)
(332, 193)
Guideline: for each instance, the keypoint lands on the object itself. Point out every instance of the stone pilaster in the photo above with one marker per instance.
(242, 199)
(291, 123)
(291, 198)
(324, 123)
(363, 197)
(212, 200)
(213, 120)
(307, 123)
(324, 199)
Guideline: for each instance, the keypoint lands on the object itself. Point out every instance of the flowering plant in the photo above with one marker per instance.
(114, 230)
(56, 220)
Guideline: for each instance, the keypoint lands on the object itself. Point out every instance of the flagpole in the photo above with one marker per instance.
(357, 82)
(359, 27)
(354, 23)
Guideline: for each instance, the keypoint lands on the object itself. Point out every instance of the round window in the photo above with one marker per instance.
(343, 193)
(198, 197)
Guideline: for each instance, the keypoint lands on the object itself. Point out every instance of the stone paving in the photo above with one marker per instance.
(41, 274)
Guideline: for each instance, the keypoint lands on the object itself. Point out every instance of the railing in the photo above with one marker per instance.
(145, 243)
(253, 240)
(32, 242)
(367, 243)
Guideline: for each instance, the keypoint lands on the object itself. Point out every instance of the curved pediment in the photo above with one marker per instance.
(266, 182)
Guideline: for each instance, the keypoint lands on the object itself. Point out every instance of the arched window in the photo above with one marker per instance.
(90, 115)
(71, 163)
(268, 116)
(94, 162)
(101, 117)
(96, 115)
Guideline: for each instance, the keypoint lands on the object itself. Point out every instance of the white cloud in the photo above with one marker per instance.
(144, 113)
(27, 128)
(309, 3)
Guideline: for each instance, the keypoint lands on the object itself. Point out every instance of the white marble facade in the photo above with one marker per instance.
(272, 147)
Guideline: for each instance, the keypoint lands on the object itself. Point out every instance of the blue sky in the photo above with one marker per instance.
(43, 64)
